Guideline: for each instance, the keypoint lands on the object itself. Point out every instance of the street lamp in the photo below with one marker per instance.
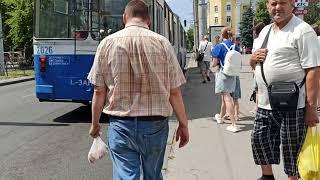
(1, 50)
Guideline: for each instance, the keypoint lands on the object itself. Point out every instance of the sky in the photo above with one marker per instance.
(183, 8)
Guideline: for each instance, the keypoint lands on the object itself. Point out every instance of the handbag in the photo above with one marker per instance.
(283, 96)
(253, 97)
(201, 55)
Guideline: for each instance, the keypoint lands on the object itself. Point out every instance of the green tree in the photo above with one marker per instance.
(190, 38)
(20, 23)
(262, 14)
(313, 14)
(5, 29)
(246, 28)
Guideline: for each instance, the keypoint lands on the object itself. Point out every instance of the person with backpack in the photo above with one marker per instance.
(225, 54)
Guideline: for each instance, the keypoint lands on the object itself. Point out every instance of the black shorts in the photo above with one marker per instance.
(272, 128)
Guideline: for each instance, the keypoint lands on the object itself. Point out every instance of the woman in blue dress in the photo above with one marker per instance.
(225, 85)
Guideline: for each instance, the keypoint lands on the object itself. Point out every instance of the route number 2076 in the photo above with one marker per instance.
(42, 50)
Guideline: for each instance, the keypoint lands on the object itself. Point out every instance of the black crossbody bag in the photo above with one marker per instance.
(283, 96)
(201, 55)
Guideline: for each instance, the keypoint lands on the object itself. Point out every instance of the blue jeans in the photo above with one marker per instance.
(137, 145)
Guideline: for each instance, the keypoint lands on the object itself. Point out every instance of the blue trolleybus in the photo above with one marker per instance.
(67, 33)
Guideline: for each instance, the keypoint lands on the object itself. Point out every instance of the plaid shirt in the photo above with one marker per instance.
(138, 67)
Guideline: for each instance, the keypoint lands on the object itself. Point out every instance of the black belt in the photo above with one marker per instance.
(140, 118)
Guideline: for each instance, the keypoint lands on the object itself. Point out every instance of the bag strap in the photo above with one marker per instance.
(205, 47)
(264, 45)
(303, 81)
(225, 46)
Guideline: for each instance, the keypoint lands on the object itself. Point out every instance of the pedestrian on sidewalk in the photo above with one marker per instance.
(217, 40)
(288, 55)
(236, 95)
(256, 31)
(225, 85)
(138, 87)
(205, 47)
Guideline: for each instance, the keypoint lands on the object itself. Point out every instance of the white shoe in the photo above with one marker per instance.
(233, 128)
(218, 118)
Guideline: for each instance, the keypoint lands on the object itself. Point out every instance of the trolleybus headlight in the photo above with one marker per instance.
(42, 64)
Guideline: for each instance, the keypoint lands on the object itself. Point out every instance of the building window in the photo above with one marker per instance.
(228, 7)
(215, 9)
(216, 20)
(228, 19)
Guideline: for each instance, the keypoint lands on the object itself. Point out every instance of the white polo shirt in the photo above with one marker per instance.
(207, 53)
(290, 51)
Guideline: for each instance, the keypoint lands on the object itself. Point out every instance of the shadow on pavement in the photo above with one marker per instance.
(200, 99)
(30, 124)
(247, 118)
(80, 115)
(245, 127)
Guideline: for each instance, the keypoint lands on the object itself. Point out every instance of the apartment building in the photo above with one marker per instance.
(227, 12)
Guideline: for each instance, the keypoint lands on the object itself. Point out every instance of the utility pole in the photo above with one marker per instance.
(1, 49)
(202, 14)
(196, 24)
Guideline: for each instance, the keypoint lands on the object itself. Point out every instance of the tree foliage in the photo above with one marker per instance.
(246, 28)
(262, 14)
(5, 29)
(313, 14)
(190, 39)
(20, 22)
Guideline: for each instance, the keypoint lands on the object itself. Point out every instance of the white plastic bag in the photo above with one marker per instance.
(97, 150)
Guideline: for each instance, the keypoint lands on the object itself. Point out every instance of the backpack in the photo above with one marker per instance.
(232, 62)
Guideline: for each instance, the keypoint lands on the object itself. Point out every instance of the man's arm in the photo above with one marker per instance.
(176, 102)
(98, 102)
(215, 62)
(312, 88)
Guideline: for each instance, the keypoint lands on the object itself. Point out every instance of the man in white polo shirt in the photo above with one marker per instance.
(205, 47)
(291, 54)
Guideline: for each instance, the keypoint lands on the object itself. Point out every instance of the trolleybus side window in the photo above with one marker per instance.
(159, 19)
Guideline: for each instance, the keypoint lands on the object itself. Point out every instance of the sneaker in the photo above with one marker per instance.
(218, 118)
(208, 78)
(204, 82)
(233, 128)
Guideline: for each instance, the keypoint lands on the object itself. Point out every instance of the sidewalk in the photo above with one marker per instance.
(16, 80)
(214, 153)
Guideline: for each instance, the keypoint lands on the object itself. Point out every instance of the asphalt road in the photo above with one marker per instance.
(45, 140)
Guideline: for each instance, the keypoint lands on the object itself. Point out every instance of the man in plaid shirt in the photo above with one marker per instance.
(137, 79)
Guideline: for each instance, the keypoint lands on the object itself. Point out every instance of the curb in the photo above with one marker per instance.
(170, 145)
(16, 80)
(173, 128)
